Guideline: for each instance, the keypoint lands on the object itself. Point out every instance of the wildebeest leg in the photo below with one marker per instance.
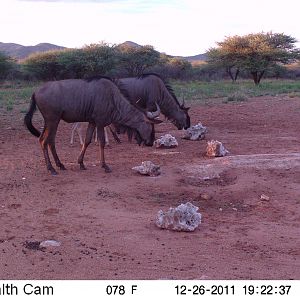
(52, 146)
(53, 150)
(76, 127)
(101, 137)
(106, 136)
(96, 137)
(87, 141)
(44, 141)
(114, 135)
(79, 131)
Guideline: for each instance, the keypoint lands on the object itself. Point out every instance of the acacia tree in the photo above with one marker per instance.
(43, 65)
(92, 60)
(6, 65)
(135, 60)
(255, 53)
(219, 58)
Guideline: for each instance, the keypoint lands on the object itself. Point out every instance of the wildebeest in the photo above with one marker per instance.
(97, 101)
(149, 89)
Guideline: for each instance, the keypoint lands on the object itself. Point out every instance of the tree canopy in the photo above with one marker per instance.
(254, 53)
(135, 60)
(6, 65)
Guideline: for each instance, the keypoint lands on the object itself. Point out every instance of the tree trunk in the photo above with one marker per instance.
(228, 70)
(236, 74)
(255, 77)
(260, 76)
(230, 73)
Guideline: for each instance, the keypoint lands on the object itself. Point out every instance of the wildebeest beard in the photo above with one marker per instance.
(122, 129)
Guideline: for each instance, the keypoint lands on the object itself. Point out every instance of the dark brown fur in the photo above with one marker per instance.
(148, 89)
(98, 102)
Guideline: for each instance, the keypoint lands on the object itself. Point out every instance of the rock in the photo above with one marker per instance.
(215, 149)
(264, 197)
(182, 218)
(148, 168)
(166, 141)
(205, 196)
(49, 243)
(195, 133)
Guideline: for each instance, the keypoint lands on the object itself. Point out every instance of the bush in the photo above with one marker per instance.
(7, 64)
(43, 66)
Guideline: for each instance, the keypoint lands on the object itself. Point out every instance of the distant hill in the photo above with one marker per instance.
(130, 44)
(195, 58)
(191, 59)
(19, 51)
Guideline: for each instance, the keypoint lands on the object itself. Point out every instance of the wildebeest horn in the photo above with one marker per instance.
(182, 106)
(183, 102)
(153, 114)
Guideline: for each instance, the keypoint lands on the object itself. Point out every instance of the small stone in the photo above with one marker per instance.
(215, 149)
(50, 243)
(166, 141)
(195, 133)
(205, 196)
(148, 168)
(182, 218)
(264, 197)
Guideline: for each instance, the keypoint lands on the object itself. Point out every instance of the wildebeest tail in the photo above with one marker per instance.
(28, 117)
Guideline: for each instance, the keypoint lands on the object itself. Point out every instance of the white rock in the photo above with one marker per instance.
(148, 168)
(264, 197)
(182, 218)
(166, 141)
(50, 243)
(195, 133)
(215, 148)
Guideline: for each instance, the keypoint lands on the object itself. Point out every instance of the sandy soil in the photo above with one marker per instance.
(106, 222)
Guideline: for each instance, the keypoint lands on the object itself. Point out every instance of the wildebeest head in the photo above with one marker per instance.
(146, 90)
(181, 118)
(145, 133)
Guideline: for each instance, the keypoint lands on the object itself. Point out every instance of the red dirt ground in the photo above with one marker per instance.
(106, 222)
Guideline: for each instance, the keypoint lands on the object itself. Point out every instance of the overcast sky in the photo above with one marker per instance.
(176, 27)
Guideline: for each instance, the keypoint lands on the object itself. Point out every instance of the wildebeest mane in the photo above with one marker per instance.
(115, 81)
(123, 90)
(166, 83)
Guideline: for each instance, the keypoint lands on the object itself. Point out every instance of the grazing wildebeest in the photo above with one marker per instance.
(97, 101)
(147, 90)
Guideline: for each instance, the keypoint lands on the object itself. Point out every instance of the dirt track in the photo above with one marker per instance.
(105, 222)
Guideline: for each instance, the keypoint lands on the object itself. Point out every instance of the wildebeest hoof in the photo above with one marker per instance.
(106, 168)
(82, 167)
(62, 167)
(53, 172)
